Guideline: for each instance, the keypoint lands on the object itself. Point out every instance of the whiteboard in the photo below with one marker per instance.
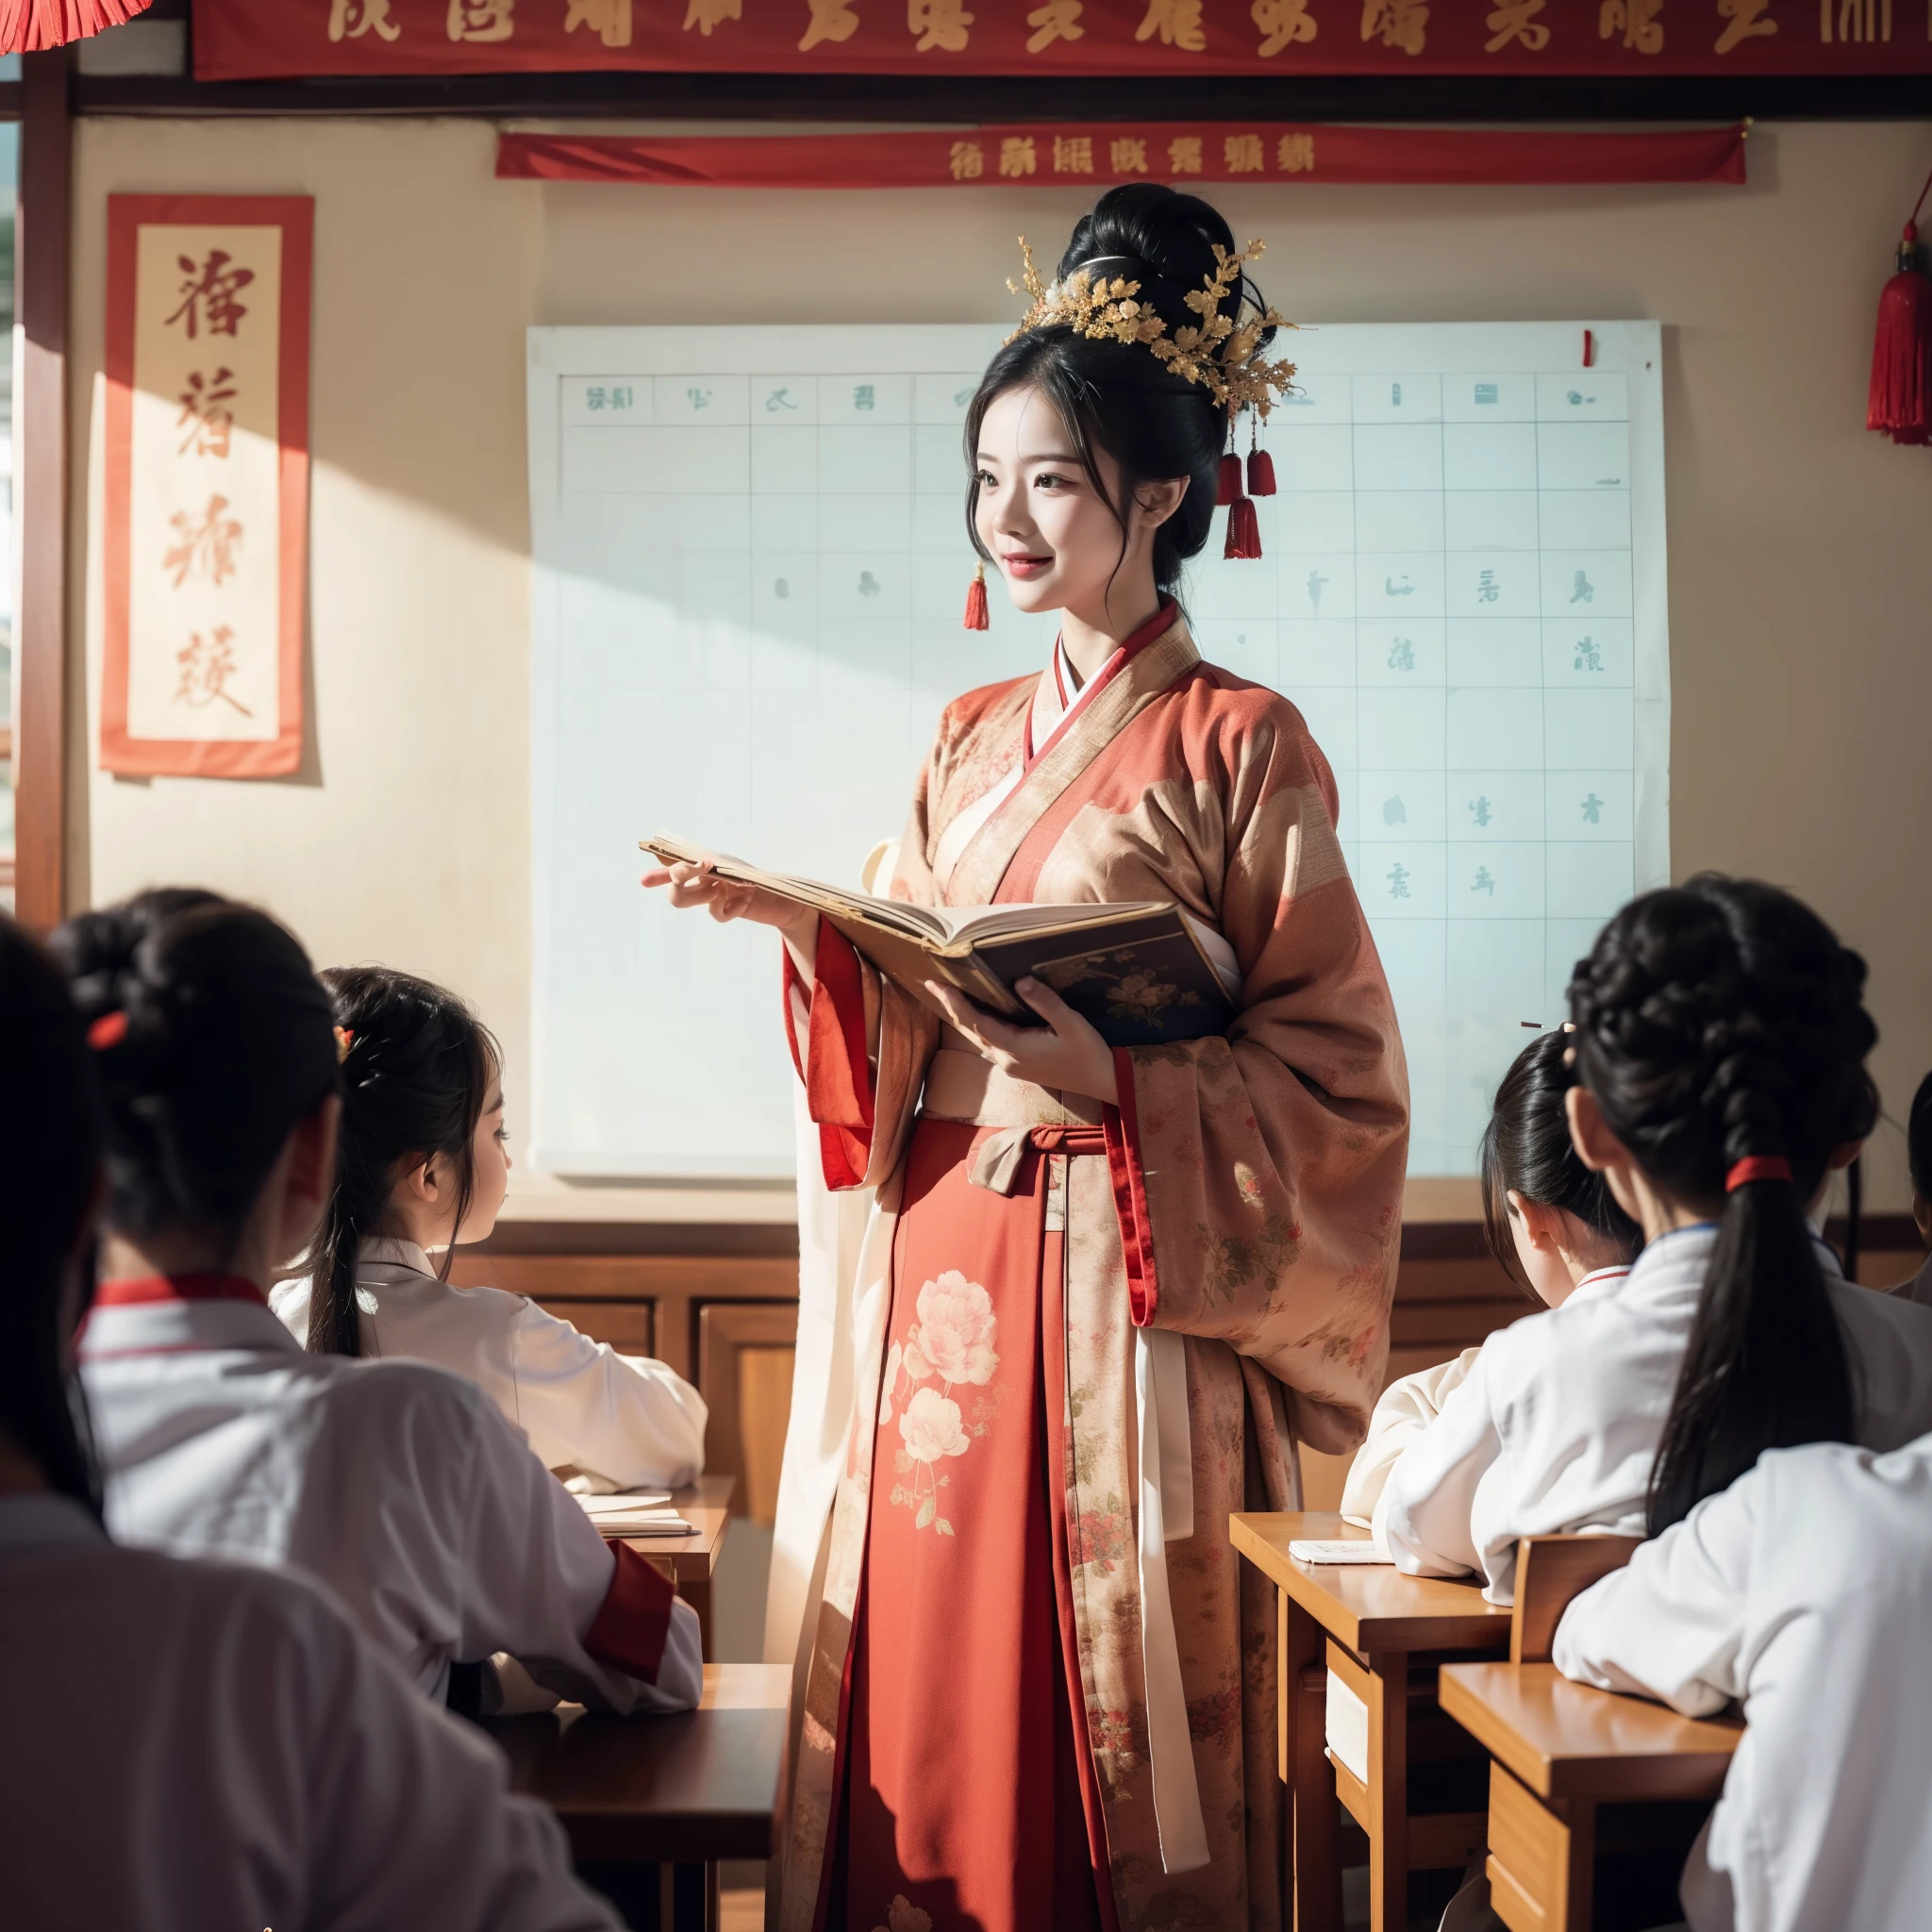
(750, 564)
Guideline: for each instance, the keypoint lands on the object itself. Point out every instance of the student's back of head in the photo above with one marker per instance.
(213, 1039)
(1721, 1032)
(50, 1151)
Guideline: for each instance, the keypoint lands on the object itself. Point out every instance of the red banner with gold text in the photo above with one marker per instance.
(1045, 156)
(236, 40)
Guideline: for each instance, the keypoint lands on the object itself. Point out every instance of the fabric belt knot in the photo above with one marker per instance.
(997, 1160)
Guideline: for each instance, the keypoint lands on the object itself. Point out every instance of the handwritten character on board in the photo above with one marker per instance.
(1317, 584)
(1295, 154)
(1592, 811)
(967, 161)
(1177, 22)
(942, 24)
(1128, 154)
(831, 19)
(207, 664)
(610, 20)
(1073, 154)
(704, 15)
(1483, 881)
(1403, 24)
(1401, 654)
(1481, 810)
(1588, 655)
(208, 294)
(865, 396)
(205, 415)
(1486, 589)
(1393, 811)
(481, 20)
(1398, 880)
(207, 543)
(1747, 22)
(1581, 590)
(1017, 156)
(1516, 20)
(1059, 20)
(349, 19)
(1283, 22)
(1241, 154)
(1184, 155)
(1636, 20)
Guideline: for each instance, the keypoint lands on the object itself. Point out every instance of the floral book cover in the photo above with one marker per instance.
(1157, 988)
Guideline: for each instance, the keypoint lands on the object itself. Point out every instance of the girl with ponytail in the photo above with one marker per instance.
(422, 1165)
(1720, 1048)
(395, 1483)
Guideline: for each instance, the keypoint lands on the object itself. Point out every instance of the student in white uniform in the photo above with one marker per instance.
(196, 1743)
(1720, 1041)
(1552, 1225)
(1804, 1591)
(422, 1165)
(1919, 1156)
(396, 1483)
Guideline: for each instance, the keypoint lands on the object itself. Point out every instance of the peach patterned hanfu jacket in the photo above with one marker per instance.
(1069, 1338)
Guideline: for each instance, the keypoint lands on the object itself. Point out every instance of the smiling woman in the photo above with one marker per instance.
(1103, 1292)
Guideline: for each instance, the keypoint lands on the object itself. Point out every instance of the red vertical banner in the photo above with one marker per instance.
(206, 487)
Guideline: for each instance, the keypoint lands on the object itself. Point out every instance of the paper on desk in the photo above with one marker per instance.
(624, 1503)
(1362, 1552)
(647, 1522)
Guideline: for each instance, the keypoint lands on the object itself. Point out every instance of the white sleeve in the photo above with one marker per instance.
(1405, 1410)
(1423, 1519)
(1670, 1624)
(537, 1574)
(624, 1417)
(408, 1816)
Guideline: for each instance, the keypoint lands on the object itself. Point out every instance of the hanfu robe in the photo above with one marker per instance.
(1034, 1685)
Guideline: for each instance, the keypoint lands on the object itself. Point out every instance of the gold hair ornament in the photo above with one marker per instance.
(1223, 355)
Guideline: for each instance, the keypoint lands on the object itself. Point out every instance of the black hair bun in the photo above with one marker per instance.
(1160, 237)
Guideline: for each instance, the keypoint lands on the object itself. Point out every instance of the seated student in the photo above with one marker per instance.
(1720, 1043)
(1804, 1591)
(211, 1746)
(397, 1484)
(1919, 1158)
(421, 1164)
(1552, 1225)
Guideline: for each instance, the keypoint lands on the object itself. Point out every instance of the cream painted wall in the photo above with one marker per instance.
(1802, 652)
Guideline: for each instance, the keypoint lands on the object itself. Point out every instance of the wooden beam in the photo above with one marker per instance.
(40, 469)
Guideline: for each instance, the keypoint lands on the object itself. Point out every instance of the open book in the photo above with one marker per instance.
(1140, 973)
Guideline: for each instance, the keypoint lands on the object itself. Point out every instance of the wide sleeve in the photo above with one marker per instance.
(1423, 1518)
(1259, 1177)
(624, 1417)
(1404, 1411)
(591, 1621)
(1671, 1625)
(405, 1816)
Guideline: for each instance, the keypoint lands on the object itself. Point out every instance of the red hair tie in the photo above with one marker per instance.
(111, 1029)
(1757, 1167)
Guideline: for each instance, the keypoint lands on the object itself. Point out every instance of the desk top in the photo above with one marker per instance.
(1567, 1740)
(698, 1785)
(1367, 1606)
(707, 1505)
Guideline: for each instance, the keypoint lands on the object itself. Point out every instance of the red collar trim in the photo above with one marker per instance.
(145, 1289)
(1123, 654)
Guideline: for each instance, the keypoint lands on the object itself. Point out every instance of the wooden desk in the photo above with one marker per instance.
(1560, 1752)
(674, 1791)
(1367, 1623)
(688, 1562)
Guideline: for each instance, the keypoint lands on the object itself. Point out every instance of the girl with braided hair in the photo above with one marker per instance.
(1721, 1037)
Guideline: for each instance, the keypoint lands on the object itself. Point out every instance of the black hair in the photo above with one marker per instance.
(213, 1039)
(1527, 1150)
(1918, 1137)
(416, 1072)
(1717, 1021)
(1118, 396)
(50, 1163)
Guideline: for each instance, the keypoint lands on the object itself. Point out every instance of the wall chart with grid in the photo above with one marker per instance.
(749, 567)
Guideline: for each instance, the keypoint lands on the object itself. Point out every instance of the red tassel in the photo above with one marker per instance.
(31, 26)
(1243, 529)
(1900, 403)
(1228, 488)
(1260, 472)
(977, 617)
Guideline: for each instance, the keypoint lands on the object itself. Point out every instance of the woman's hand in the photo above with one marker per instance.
(1068, 1054)
(698, 885)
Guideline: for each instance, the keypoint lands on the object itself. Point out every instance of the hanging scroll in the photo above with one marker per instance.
(205, 484)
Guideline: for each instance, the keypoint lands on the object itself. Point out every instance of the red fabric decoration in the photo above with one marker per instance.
(1229, 485)
(1260, 472)
(976, 616)
(1900, 403)
(1757, 1167)
(634, 1618)
(31, 26)
(1243, 529)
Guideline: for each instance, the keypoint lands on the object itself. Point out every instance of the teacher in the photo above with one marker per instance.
(1101, 1294)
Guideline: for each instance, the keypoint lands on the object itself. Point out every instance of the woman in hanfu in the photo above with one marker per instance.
(1101, 1294)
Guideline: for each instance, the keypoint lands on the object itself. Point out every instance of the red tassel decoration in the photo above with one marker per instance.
(1260, 472)
(1228, 488)
(1900, 403)
(977, 617)
(1243, 529)
(31, 26)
